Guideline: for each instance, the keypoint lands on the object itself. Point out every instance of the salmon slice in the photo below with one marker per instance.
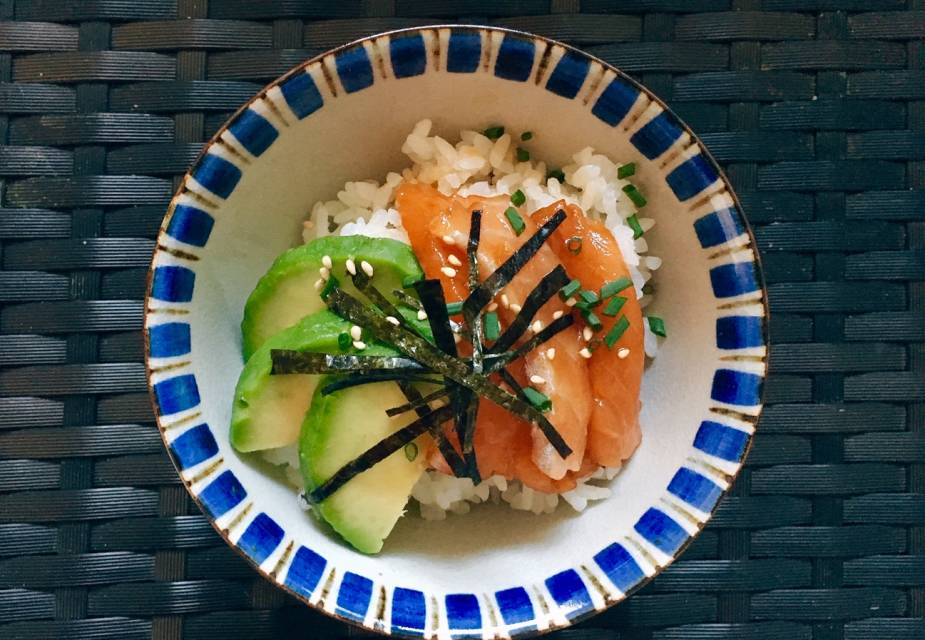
(565, 376)
(614, 431)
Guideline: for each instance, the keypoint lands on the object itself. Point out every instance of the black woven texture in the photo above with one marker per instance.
(816, 108)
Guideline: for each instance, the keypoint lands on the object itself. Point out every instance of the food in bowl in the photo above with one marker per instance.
(469, 330)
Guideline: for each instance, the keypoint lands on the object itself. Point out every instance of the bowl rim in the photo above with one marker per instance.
(695, 140)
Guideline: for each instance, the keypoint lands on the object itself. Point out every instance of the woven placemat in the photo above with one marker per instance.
(816, 108)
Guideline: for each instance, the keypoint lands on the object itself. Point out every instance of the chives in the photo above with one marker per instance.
(522, 154)
(493, 133)
(411, 451)
(635, 195)
(518, 198)
(344, 341)
(633, 223)
(592, 320)
(491, 326)
(558, 174)
(616, 331)
(626, 170)
(613, 307)
(648, 288)
(615, 286)
(329, 286)
(573, 245)
(454, 308)
(589, 297)
(526, 135)
(570, 289)
(539, 400)
(517, 223)
(658, 326)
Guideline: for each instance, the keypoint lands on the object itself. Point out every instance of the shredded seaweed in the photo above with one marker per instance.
(285, 361)
(554, 327)
(466, 401)
(416, 402)
(431, 294)
(540, 295)
(419, 402)
(369, 377)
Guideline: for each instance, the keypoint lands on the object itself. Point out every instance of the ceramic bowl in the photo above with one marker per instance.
(343, 116)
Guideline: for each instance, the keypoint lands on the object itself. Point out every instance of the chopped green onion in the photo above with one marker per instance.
(344, 341)
(648, 289)
(573, 245)
(633, 223)
(491, 326)
(411, 451)
(635, 195)
(526, 135)
(522, 154)
(409, 281)
(614, 287)
(613, 307)
(493, 133)
(616, 331)
(539, 400)
(657, 325)
(558, 174)
(570, 289)
(626, 170)
(330, 285)
(592, 320)
(518, 198)
(517, 223)
(589, 297)
(454, 308)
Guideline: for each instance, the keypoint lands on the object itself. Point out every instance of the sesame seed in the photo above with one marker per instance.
(319, 284)
(422, 315)
(493, 306)
(325, 273)
(585, 353)
(535, 379)
(623, 352)
(449, 239)
(356, 332)
(504, 301)
(558, 314)
(308, 224)
(515, 308)
(571, 302)
(359, 344)
(367, 268)
(537, 326)
(551, 353)
(449, 272)
(587, 334)
(326, 261)
(453, 260)
(351, 266)
(393, 320)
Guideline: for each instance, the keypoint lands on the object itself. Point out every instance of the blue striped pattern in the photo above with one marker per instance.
(353, 596)
(409, 611)
(223, 494)
(260, 538)
(194, 446)
(734, 279)
(658, 134)
(515, 606)
(570, 593)
(695, 489)
(615, 102)
(254, 132)
(661, 531)
(736, 387)
(739, 332)
(217, 175)
(719, 227)
(515, 58)
(176, 394)
(305, 572)
(190, 225)
(691, 177)
(409, 58)
(464, 52)
(354, 69)
(721, 441)
(168, 340)
(620, 567)
(301, 94)
(173, 284)
(463, 612)
(568, 76)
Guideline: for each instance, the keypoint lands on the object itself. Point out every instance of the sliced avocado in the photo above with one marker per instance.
(338, 428)
(285, 294)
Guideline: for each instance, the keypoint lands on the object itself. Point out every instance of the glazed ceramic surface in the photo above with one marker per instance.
(494, 572)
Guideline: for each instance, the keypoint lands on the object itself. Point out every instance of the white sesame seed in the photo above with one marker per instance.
(515, 308)
(623, 352)
(351, 266)
(449, 272)
(449, 239)
(326, 261)
(571, 302)
(504, 301)
(584, 353)
(587, 334)
(558, 314)
(537, 326)
(308, 224)
(535, 379)
(325, 273)
(367, 268)
(453, 260)
(551, 353)
(319, 284)
(356, 332)
(493, 306)
(422, 315)
(393, 320)
(359, 344)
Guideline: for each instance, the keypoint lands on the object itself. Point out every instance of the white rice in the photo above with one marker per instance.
(477, 165)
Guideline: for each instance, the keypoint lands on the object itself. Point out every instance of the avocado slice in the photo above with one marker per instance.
(285, 294)
(338, 428)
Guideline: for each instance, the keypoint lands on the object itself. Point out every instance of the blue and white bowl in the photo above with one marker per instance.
(343, 116)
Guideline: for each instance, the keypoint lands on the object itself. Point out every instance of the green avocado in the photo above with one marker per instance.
(286, 293)
(339, 428)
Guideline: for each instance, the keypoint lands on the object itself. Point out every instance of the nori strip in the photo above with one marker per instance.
(408, 301)
(370, 377)
(417, 401)
(473, 316)
(546, 289)
(490, 287)
(554, 327)
(379, 452)
(509, 379)
(431, 294)
(287, 361)
(467, 422)
(452, 457)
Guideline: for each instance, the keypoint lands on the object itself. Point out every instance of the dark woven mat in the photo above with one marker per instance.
(815, 107)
